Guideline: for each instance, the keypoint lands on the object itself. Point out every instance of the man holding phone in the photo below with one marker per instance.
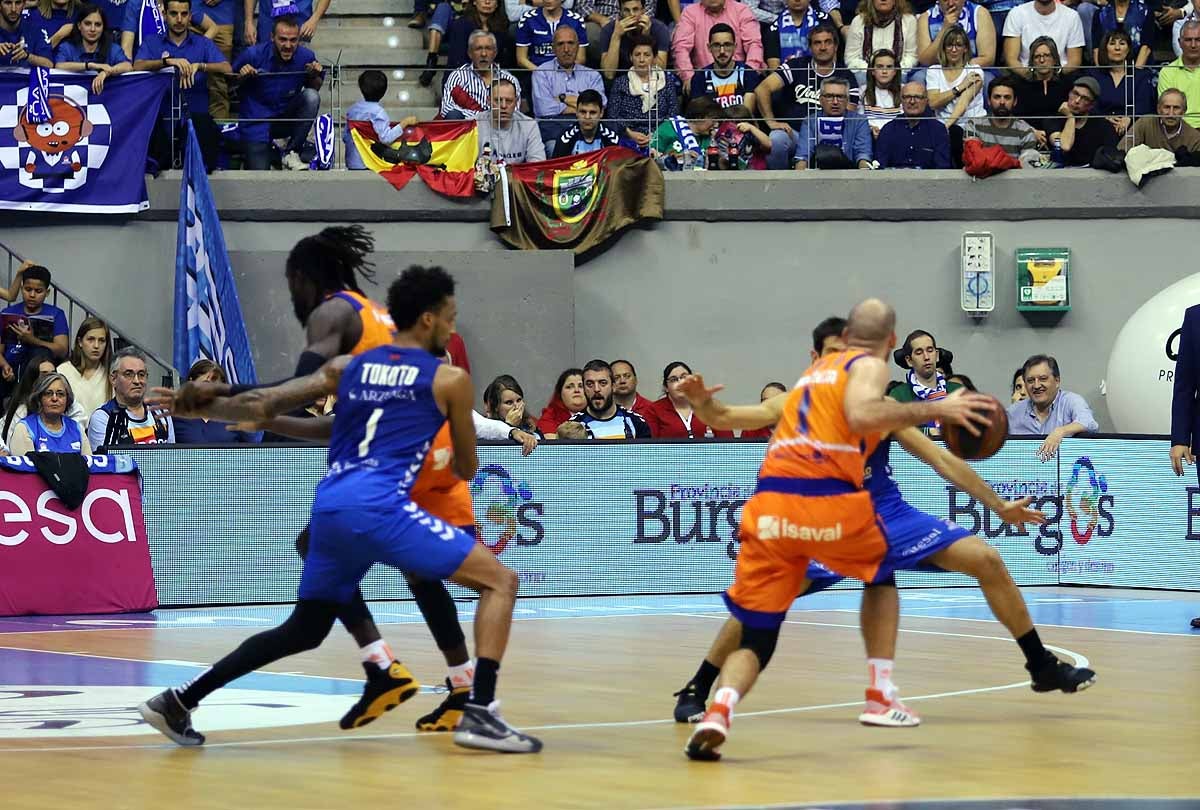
(613, 42)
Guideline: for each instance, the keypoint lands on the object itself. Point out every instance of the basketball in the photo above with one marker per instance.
(986, 444)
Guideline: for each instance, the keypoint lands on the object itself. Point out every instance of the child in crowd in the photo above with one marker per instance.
(373, 85)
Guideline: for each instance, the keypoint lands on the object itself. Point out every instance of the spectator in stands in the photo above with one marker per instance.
(1050, 410)
(479, 15)
(37, 367)
(535, 34)
(788, 33)
(221, 14)
(306, 13)
(955, 88)
(614, 40)
(771, 389)
(1081, 135)
(13, 52)
(625, 383)
(571, 431)
(139, 25)
(1167, 130)
(603, 417)
(881, 97)
(724, 80)
(567, 400)
(689, 132)
(373, 86)
(1184, 73)
(836, 139)
(1121, 102)
(689, 44)
(1031, 21)
(279, 93)
(671, 417)
(126, 419)
(205, 431)
(797, 83)
(44, 26)
(504, 400)
(972, 17)
(444, 14)
(46, 428)
(1042, 91)
(1018, 386)
(468, 90)
(587, 134)
(916, 141)
(882, 24)
(32, 324)
(963, 380)
(596, 14)
(557, 84)
(1000, 128)
(738, 136)
(87, 367)
(512, 135)
(193, 57)
(1133, 19)
(643, 96)
(918, 356)
(90, 47)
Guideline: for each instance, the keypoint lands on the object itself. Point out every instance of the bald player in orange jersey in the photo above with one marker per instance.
(810, 503)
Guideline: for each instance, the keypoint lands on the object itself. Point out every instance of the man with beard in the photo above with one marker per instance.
(1013, 135)
(723, 80)
(394, 399)
(1082, 135)
(604, 418)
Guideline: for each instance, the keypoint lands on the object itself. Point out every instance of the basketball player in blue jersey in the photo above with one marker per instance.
(323, 274)
(916, 540)
(392, 401)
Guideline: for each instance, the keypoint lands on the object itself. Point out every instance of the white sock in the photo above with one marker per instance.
(728, 697)
(879, 670)
(377, 653)
(462, 674)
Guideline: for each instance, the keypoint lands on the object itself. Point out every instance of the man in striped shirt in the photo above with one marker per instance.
(1013, 135)
(468, 89)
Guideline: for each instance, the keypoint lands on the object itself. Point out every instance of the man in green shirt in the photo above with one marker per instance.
(1184, 73)
(920, 357)
(699, 119)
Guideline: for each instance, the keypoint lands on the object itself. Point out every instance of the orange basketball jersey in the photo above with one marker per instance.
(813, 440)
(437, 489)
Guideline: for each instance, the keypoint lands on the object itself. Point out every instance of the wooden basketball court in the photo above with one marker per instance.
(594, 679)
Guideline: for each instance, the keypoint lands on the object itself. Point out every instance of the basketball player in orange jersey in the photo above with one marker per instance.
(811, 505)
(322, 275)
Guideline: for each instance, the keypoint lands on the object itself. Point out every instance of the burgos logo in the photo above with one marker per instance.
(513, 510)
(1087, 502)
(773, 527)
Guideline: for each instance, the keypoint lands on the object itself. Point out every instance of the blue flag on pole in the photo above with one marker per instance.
(208, 316)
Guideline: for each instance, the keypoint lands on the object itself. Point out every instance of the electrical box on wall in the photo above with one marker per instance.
(978, 283)
(1043, 279)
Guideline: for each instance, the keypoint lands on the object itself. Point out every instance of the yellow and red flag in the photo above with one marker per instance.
(443, 153)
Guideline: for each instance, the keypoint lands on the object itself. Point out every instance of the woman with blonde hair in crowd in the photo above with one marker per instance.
(882, 24)
(955, 87)
(567, 400)
(87, 367)
(46, 426)
(504, 400)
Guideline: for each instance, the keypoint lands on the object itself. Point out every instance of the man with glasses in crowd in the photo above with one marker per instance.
(916, 140)
(126, 419)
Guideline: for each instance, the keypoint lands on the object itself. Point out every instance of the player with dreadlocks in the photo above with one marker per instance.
(323, 273)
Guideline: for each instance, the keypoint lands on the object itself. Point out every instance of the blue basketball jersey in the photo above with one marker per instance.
(386, 421)
(878, 476)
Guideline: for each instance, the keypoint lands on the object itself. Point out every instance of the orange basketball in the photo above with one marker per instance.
(986, 444)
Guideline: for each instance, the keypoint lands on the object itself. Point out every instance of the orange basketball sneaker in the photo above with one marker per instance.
(710, 735)
(890, 713)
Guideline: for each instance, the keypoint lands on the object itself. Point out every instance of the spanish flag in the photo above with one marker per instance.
(576, 202)
(442, 152)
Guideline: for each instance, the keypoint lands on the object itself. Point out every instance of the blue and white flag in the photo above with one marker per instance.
(38, 109)
(208, 316)
(324, 138)
(150, 21)
(89, 154)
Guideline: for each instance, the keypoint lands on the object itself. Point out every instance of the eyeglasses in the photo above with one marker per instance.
(834, 96)
(135, 375)
(950, 45)
(913, 98)
(722, 46)
(1082, 96)
(50, 393)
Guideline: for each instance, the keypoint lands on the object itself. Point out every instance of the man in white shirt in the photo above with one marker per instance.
(1038, 18)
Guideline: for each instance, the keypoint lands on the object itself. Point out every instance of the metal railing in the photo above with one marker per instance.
(76, 311)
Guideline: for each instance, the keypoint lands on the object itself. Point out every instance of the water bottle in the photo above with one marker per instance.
(1056, 152)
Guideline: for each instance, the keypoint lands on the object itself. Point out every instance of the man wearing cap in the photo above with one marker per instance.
(1082, 135)
(920, 356)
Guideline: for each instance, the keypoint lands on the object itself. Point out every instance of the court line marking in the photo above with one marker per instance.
(1181, 634)
(1080, 661)
(945, 801)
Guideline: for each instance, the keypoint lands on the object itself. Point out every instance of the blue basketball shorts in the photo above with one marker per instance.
(345, 543)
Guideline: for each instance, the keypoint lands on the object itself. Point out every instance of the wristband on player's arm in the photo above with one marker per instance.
(308, 363)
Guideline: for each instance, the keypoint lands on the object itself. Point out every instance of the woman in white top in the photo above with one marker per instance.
(955, 88)
(882, 24)
(87, 368)
(881, 98)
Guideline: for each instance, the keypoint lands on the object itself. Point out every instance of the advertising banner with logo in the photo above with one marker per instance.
(1129, 521)
(55, 560)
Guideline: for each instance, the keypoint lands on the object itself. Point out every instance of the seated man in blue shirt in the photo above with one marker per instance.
(845, 135)
(916, 140)
(279, 91)
(1049, 411)
(31, 325)
(12, 44)
(193, 57)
